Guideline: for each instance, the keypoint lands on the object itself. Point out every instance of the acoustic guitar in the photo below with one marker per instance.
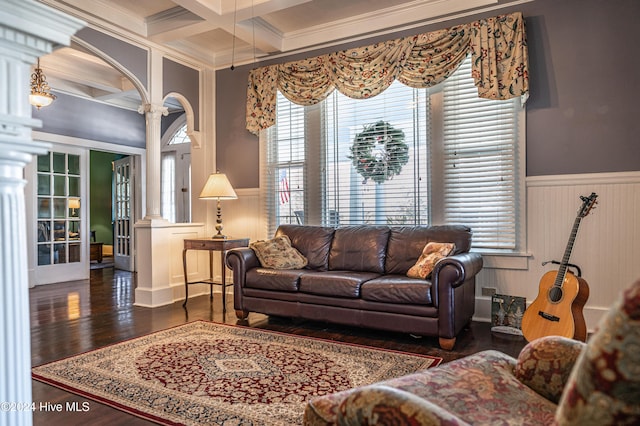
(557, 310)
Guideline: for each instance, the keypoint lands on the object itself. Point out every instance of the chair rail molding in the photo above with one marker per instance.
(27, 30)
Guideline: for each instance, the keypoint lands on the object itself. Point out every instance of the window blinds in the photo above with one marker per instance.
(376, 158)
(284, 174)
(479, 162)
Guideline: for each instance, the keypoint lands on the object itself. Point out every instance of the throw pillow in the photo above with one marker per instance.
(545, 364)
(278, 253)
(604, 386)
(431, 254)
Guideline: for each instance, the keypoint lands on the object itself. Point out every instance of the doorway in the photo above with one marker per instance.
(111, 233)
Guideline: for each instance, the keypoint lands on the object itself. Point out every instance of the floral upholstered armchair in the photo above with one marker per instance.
(554, 380)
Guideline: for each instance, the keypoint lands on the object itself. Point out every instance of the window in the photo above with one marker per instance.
(168, 185)
(404, 157)
(175, 185)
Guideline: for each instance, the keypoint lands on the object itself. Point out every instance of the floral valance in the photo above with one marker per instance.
(500, 67)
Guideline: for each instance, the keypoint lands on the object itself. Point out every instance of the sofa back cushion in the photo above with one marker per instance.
(407, 242)
(313, 242)
(359, 248)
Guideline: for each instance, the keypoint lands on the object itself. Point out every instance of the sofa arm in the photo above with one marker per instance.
(453, 291)
(240, 260)
(384, 405)
(465, 265)
(452, 272)
(546, 363)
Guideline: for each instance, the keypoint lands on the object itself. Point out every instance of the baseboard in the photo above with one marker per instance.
(483, 312)
(148, 298)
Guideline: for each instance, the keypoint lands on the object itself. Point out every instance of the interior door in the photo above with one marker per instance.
(58, 181)
(123, 206)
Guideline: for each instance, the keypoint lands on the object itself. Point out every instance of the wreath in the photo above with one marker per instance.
(379, 152)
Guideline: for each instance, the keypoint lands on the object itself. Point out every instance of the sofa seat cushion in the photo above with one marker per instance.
(335, 283)
(478, 389)
(274, 279)
(397, 289)
(384, 405)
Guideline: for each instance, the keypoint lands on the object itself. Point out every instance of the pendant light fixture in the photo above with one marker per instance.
(41, 95)
(233, 41)
(253, 34)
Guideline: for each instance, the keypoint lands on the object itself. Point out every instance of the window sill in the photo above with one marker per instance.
(496, 260)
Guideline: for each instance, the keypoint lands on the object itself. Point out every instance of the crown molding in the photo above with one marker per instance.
(380, 21)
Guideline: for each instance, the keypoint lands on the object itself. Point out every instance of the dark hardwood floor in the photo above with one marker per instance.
(70, 318)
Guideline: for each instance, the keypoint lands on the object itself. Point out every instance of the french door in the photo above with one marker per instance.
(60, 215)
(124, 213)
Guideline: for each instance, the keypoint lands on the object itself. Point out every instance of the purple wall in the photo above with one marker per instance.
(583, 57)
(584, 79)
(81, 118)
(184, 80)
(237, 151)
(131, 57)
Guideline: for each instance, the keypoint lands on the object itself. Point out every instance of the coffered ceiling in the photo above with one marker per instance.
(221, 33)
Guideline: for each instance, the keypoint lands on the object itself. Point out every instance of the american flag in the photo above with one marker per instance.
(283, 187)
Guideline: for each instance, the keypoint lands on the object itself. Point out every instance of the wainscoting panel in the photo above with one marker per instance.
(198, 261)
(243, 217)
(606, 247)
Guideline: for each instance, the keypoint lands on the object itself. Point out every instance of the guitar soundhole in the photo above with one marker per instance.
(555, 294)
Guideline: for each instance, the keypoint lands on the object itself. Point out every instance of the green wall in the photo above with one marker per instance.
(100, 195)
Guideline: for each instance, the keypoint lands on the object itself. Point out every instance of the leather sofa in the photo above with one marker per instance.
(356, 275)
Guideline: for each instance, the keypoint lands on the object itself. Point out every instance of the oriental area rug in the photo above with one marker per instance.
(205, 373)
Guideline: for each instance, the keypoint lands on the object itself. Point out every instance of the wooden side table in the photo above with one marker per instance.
(95, 252)
(211, 245)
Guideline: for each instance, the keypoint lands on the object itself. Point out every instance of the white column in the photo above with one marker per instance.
(153, 116)
(27, 30)
(153, 286)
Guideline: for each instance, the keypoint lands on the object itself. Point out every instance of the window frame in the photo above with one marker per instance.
(313, 139)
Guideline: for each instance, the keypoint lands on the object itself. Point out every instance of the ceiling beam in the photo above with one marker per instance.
(105, 10)
(199, 17)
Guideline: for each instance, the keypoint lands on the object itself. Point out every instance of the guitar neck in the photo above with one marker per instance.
(562, 271)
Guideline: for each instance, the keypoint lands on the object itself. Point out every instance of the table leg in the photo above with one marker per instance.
(211, 275)
(224, 281)
(186, 278)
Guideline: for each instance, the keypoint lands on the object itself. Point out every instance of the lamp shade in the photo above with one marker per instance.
(74, 203)
(218, 188)
(40, 100)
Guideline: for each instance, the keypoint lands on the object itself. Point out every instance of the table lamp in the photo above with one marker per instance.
(74, 203)
(218, 188)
